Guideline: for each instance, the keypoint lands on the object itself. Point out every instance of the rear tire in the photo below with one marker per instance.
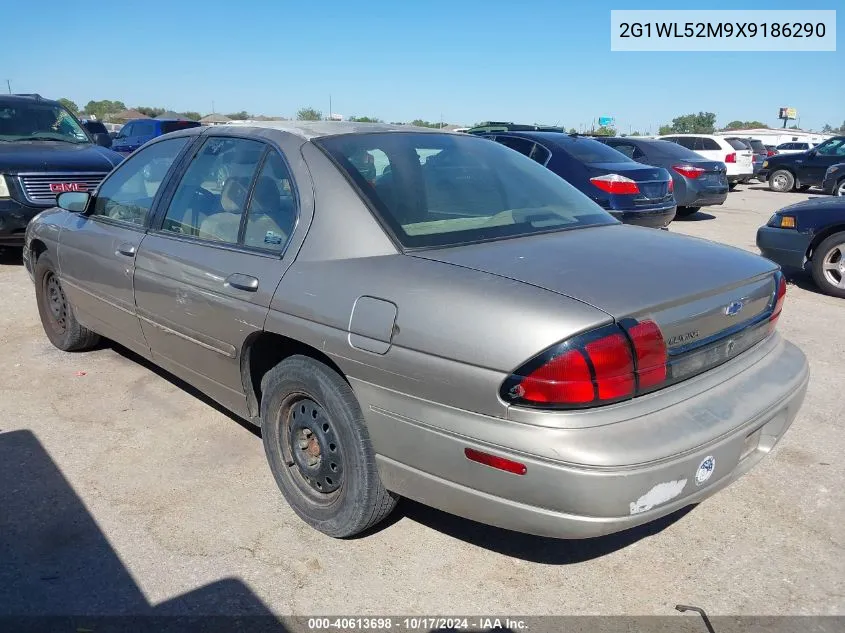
(829, 265)
(839, 188)
(57, 317)
(781, 181)
(319, 448)
(685, 212)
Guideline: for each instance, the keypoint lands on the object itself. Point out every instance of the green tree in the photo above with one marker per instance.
(827, 129)
(308, 114)
(701, 123)
(635, 133)
(605, 130)
(793, 127)
(744, 125)
(243, 115)
(421, 123)
(69, 105)
(365, 119)
(101, 108)
(572, 130)
(193, 116)
(150, 112)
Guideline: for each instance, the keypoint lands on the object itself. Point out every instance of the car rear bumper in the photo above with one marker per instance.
(651, 218)
(14, 217)
(696, 195)
(420, 451)
(786, 247)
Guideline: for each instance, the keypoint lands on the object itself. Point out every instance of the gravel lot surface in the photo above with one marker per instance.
(123, 491)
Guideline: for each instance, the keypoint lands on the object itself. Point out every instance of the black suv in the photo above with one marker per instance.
(44, 150)
(805, 169)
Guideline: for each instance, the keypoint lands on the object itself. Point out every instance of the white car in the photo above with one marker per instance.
(738, 158)
(794, 147)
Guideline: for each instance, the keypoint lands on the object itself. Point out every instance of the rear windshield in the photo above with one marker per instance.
(446, 189)
(587, 150)
(757, 146)
(736, 143)
(172, 126)
(673, 150)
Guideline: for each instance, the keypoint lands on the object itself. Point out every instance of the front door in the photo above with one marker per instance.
(205, 278)
(816, 162)
(97, 250)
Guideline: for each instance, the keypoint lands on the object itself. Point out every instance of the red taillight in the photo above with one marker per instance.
(780, 296)
(613, 366)
(599, 367)
(688, 170)
(650, 350)
(770, 152)
(730, 158)
(614, 183)
(494, 461)
(671, 185)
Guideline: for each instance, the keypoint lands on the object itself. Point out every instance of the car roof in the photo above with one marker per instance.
(553, 138)
(316, 129)
(694, 135)
(20, 98)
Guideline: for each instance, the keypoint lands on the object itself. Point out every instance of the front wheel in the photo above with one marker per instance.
(56, 313)
(829, 265)
(319, 448)
(781, 181)
(685, 212)
(839, 189)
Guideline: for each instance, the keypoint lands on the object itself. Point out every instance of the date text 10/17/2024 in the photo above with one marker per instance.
(420, 623)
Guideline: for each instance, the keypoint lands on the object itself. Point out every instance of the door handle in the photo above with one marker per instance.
(242, 282)
(126, 249)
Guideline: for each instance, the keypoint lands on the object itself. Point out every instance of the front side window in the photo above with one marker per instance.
(33, 121)
(212, 195)
(832, 147)
(127, 195)
(444, 189)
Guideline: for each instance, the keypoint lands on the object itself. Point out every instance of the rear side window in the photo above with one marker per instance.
(736, 143)
(172, 126)
(521, 145)
(271, 214)
(445, 189)
(757, 146)
(684, 141)
(589, 151)
(705, 144)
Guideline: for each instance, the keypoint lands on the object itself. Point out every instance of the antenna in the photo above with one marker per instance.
(9, 84)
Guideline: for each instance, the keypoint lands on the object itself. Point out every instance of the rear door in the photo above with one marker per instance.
(97, 251)
(205, 277)
(123, 140)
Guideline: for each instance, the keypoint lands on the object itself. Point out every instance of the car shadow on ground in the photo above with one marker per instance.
(535, 549)
(549, 551)
(699, 216)
(803, 279)
(58, 571)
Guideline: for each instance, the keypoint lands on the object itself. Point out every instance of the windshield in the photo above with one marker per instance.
(444, 189)
(39, 122)
(587, 150)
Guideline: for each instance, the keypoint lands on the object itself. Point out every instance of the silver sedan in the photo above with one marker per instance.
(413, 313)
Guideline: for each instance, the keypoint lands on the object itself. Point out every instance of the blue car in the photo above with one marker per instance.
(632, 192)
(136, 133)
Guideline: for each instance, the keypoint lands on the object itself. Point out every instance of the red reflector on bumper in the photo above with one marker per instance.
(495, 461)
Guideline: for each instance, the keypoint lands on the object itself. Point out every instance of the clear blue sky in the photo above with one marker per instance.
(468, 60)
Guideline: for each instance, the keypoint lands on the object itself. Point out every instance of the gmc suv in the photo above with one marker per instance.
(44, 150)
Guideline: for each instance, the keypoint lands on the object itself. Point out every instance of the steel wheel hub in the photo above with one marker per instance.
(314, 447)
(57, 302)
(833, 265)
(780, 182)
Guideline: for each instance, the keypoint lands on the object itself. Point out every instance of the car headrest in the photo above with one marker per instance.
(233, 195)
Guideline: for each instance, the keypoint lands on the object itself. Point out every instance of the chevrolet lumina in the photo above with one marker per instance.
(431, 315)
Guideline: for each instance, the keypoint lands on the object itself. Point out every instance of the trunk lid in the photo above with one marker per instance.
(695, 290)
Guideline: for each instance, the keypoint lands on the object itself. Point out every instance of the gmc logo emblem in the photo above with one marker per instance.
(59, 187)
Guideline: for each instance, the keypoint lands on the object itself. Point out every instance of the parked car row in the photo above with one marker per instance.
(814, 167)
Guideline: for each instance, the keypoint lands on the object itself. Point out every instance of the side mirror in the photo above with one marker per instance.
(73, 201)
(104, 140)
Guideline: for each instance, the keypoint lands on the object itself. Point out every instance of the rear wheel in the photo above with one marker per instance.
(829, 265)
(685, 212)
(56, 313)
(839, 188)
(319, 448)
(781, 181)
